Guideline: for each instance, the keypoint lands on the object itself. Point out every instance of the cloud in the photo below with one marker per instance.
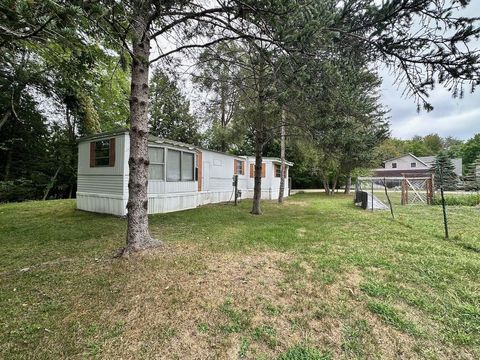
(455, 117)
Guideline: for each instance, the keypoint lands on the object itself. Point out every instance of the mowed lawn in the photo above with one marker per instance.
(315, 278)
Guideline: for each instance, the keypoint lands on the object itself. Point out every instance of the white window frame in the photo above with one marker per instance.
(158, 163)
(394, 165)
(413, 165)
(181, 160)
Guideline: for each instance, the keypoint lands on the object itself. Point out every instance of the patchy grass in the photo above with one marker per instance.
(315, 278)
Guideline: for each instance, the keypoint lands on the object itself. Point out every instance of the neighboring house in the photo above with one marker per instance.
(411, 165)
(181, 176)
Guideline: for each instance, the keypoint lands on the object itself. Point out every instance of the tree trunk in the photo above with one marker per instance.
(326, 185)
(50, 184)
(334, 185)
(138, 236)
(348, 185)
(257, 188)
(5, 118)
(282, 159)
(8, 165)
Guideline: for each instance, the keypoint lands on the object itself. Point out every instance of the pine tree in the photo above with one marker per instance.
(472, 177)
(170, 116)
(445, 172)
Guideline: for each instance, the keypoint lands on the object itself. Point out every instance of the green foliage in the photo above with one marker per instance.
(471, 150)
(392, 317)
(301, 352)
(170, 116)
(429, 145)
(445, 172)
(459, 200)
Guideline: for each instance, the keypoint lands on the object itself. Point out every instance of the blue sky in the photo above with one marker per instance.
(459, 118)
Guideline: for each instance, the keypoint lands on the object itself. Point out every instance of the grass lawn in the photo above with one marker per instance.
(315, 278)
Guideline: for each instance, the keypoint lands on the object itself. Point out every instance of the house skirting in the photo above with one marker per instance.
(163, 203)
(102, 203)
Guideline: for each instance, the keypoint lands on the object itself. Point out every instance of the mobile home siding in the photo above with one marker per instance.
(105, 189)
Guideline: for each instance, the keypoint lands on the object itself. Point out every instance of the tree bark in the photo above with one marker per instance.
(50, 184)
(5, 118)
(282, 160)
(326, 185)
(334, 185)
(348, 185)
(8, 164)
(257, 188)
(138, 236)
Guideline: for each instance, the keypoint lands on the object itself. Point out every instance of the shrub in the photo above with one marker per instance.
(461, 200)
(19, 190)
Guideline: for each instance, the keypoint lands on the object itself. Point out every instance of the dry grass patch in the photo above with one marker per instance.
(319, 279)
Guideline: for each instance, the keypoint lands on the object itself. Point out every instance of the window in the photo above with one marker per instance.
(102, 153)
(180, 165)
(156, 170)
(238, 167)
(413, 165)
(394, 165)
(187, 166)
(173, 165)
(278, 170)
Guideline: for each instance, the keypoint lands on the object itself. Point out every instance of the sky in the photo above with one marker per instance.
(459, 118)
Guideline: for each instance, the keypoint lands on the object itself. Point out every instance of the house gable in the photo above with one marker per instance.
(405, 162)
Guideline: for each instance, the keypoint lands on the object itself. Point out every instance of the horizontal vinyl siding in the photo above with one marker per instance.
(101, 204)
(172, 202)
(84, 158)
(101, 184)
(169, 187)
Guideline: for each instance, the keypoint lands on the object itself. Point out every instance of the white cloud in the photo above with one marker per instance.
(461, 125)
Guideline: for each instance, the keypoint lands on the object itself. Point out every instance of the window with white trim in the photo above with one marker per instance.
(394, 165)
(188, 161)
(180, 165)
(156, 169)
(413, 165)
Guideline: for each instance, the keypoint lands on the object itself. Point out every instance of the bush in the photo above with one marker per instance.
(461, 200)
(19, 190)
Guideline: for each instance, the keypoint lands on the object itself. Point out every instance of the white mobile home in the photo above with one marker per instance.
(181, 176)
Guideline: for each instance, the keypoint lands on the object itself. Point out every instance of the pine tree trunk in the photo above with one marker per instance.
(348, 185)
(282, 159)
(257, 187)
(138, 236)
